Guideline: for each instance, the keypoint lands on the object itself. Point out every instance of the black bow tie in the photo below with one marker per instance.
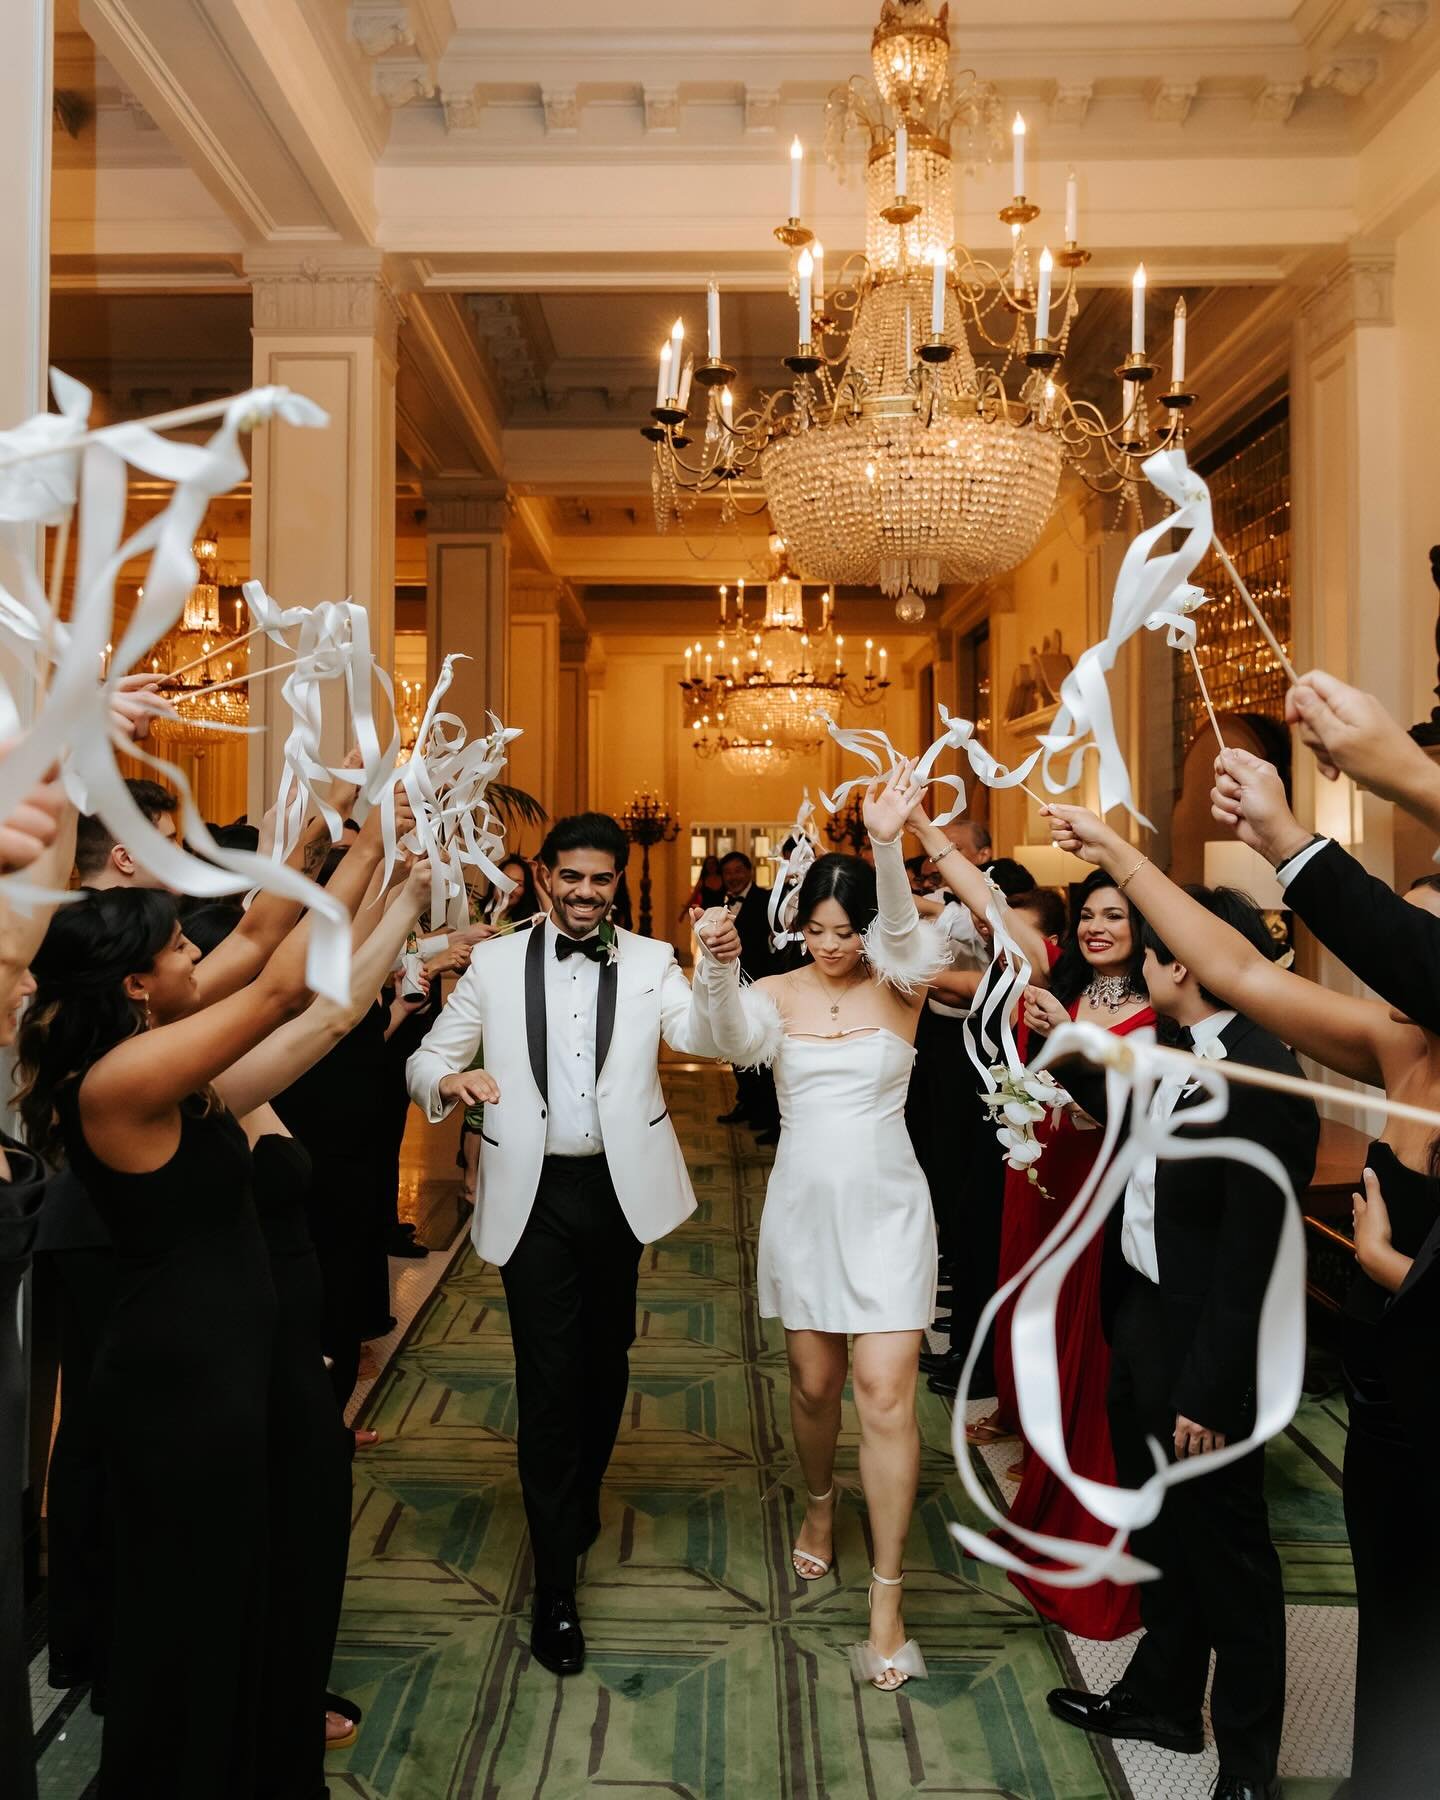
(568, 946)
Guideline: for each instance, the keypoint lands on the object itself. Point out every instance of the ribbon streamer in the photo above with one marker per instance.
(796, 863)
(1134, 1070)
(1144, 590)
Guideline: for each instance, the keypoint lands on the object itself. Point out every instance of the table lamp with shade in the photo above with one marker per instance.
(1052, 866)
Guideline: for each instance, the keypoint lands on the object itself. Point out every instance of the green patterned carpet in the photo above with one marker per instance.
(712, 1670)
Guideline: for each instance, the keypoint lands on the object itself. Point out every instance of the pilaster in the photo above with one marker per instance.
(323, 510)
(467, 562)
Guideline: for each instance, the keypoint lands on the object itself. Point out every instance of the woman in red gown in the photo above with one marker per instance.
(1097, 979)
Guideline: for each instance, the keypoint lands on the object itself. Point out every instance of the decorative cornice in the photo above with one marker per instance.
(400, 81)
(381, 25)
(1348, 75)
(762, 110)
(1071, 102)
(1358, 293)
(562, 111)
(512, 356)
(1172, 102)
(1396, 20)
(662, 109)
(462, 110)
(332, 293)
(456, 506)
(1276, 101)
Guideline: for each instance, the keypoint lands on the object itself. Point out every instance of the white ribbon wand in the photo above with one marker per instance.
(795, 865)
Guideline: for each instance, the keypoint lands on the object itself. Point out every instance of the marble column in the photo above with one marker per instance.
(467, 569)
(323, 502)
(572, 774)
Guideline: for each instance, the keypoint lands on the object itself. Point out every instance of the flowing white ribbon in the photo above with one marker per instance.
(1143, 589)
(796, 863)
(875, 748)
(446, 781)
(1134, 1069)
(74, 723)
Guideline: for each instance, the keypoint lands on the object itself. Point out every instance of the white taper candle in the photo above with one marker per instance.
(797, 157)
(712, 319)
(1017, 131)
(805, 270)
(1072, 209)
(1042, 299)
(902, 158)
(1137, 312)
(1177, 357)
(937, 292)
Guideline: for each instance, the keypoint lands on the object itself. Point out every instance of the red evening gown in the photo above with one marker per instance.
(1044, 1503)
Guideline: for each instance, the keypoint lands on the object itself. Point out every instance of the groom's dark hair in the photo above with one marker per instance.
(585, 831)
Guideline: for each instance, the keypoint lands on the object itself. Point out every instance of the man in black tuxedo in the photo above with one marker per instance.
(749, 907)
(1198, 1238)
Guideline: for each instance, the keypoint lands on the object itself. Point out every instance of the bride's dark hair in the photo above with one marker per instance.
(848, 880)
(80, 1009)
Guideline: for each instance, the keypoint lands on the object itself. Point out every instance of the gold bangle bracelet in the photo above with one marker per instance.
(1123, 884)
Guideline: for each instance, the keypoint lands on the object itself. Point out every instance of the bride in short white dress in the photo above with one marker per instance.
(847, 1237)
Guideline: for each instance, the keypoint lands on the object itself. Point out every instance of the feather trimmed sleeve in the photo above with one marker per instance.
(903, 950)
(744, 1024)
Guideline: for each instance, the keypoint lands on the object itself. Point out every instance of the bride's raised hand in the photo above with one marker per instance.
(888, 804)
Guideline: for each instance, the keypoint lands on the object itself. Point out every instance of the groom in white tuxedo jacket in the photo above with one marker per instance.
(579, 1168)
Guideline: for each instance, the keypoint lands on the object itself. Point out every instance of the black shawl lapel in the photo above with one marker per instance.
(605, 1014)
(535, 1009)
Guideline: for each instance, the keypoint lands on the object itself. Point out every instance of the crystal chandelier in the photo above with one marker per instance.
(202, 665)
(772, 686)
(924, 433)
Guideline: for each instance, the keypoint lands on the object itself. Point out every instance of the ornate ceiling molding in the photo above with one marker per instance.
(509, 347)
(1357, 294)
(325, 293)
(1172, 102)
(1276, 101)
(1396, 20)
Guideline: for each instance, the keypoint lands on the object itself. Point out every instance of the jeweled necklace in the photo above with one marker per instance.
(835, 1004)
(1109, 993)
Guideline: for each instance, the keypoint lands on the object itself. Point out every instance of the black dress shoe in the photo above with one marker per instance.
(556, 1640)
(1245, 1787)
(1120, 1714)
(943, 1323)
(736, 1116)
(943, 1362)
(767, 1140)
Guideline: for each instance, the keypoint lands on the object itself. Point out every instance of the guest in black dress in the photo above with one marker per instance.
(22, 1187)
(182, 1379)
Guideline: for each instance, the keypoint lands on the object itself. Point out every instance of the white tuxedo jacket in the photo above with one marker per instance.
(643, 996)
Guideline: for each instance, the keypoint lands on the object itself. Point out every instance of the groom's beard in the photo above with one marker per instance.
(580, 923)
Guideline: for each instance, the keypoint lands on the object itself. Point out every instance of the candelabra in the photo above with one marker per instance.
(894, 457)
(846, 828)
(647, 821)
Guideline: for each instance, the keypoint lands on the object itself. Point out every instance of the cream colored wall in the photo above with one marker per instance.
(1057, 588)
(639, 743)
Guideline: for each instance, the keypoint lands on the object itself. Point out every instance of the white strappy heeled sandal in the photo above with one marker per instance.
(797, 1555)
(886, 1672)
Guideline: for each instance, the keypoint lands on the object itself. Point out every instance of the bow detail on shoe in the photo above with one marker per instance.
(869, 1665)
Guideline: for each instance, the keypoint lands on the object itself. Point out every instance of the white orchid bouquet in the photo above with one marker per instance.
(1018, 1102)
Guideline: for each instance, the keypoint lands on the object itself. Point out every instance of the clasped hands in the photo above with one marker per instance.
(717, 931)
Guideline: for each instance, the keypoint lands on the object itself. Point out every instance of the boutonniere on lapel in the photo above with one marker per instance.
(610, 942)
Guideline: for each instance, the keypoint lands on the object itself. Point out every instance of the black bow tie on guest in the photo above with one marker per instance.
(568, 946)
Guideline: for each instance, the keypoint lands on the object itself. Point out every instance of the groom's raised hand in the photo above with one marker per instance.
(470, 1087)
(716, 931)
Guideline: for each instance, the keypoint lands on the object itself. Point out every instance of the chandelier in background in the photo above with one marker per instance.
(773, 684)
(924, 433)
(200, 659)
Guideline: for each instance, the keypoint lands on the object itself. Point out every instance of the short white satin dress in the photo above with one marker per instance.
(847, 1237)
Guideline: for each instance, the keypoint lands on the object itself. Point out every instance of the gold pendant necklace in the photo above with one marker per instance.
(834, 1004)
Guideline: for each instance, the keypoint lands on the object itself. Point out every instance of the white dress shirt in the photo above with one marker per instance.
(970, 950)
(572, 993)
(1286, 871)
(1137, 1230)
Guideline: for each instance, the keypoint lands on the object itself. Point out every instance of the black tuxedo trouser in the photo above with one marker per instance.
(1220, 1584)
(570, 1287)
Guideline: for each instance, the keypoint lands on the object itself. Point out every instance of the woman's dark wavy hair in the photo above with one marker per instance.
(1072, 974)
(848, 880)
(525, 901)
(80, 1009)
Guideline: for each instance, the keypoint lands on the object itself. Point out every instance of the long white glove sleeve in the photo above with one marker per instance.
(901, 948)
